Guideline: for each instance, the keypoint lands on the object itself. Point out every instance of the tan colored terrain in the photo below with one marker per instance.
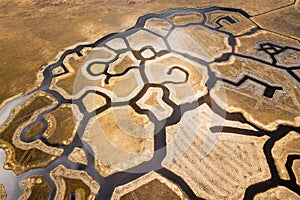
(149, 186)
(221, 89)
(2, 192)
(35, 188)
(217, 172)
(119, 143)
(277, 194)
(22, 157)
(45, 28)
(267, 113)
(288, 145)
(79, 182)
(78, 156)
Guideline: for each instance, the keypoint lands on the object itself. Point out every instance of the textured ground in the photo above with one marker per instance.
(201, 100)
